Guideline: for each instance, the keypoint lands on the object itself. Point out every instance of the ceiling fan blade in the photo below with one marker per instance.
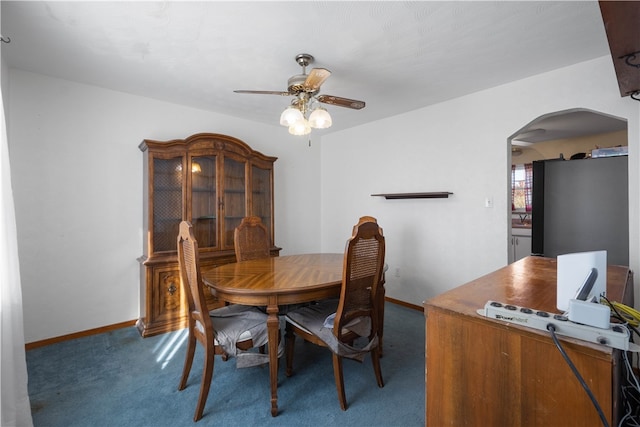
(316, 77)
(341, 102)
(264, 92)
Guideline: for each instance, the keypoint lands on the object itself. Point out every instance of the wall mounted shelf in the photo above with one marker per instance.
(429, 195)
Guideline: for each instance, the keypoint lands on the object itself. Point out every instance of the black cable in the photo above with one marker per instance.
(551, 328)
(630, 393)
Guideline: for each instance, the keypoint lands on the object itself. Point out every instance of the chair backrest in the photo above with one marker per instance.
(362, 271)
(199, 321)
(251, 239)
(353, 232)
(364, 219)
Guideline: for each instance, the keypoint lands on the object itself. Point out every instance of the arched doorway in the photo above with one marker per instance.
(562, 134)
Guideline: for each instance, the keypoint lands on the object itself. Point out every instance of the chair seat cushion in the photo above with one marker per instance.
(312, 319)
(235, 323)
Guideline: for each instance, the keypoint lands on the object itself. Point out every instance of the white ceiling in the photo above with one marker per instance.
(395, 56)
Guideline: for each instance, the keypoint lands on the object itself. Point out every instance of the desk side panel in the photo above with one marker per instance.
(483, 371)
(472, 373)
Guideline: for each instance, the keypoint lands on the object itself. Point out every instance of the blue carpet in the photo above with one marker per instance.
(120, 379)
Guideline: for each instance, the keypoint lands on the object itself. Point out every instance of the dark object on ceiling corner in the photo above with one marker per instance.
(621, 20)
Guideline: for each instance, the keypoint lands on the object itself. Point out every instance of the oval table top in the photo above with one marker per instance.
(291, 278)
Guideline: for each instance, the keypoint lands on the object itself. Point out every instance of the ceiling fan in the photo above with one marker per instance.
(305, 88)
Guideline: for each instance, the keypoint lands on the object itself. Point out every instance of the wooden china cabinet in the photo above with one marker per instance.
(213, 181)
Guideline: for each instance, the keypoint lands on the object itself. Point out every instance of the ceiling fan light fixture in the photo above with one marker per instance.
(290, 116)
(301, 127)
(320, 119)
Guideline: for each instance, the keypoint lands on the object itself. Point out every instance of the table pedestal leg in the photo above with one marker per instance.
(273, 328)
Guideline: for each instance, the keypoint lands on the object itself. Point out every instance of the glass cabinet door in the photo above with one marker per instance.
(167, 205)
(204, 201)
(234, 198)
(261, 200)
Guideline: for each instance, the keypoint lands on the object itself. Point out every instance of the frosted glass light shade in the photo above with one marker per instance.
(290, 116)
(301, 127)
(320, 119)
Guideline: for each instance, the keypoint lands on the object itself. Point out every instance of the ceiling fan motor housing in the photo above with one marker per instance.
(295, 84)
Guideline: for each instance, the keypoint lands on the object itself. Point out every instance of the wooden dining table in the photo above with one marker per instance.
(276, 282)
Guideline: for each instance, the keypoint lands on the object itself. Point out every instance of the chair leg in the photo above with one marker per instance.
(205, 385)
(375, 361)
(188, 360)
(337, 373)
(381, 294)
(289, 341)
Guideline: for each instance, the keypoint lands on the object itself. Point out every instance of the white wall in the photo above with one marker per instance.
(458, 146)
(77, 177)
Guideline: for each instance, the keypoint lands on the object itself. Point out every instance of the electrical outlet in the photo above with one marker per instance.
(397, 272)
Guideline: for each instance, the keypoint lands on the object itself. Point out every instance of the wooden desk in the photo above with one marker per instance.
(481, 371)
(273, 282)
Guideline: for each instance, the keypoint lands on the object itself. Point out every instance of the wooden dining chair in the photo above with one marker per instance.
(251, 239)
(381, 292)
(227, 331)
(353, 332)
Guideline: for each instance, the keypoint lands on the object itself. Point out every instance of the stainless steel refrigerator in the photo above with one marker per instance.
(581, 205)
